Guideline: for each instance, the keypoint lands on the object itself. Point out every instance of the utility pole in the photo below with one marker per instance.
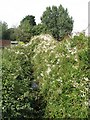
(89, 18)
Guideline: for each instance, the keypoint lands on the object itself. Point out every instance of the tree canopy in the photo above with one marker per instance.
(30, 19)
(55, 21)
(58, 21)
(3, 30)
(25, 29)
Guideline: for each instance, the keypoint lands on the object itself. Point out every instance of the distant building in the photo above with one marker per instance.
(5, 43)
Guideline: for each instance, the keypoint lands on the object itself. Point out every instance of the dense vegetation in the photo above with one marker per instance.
(47, 74)
(55, 21)
(3, 30)
(46, 78)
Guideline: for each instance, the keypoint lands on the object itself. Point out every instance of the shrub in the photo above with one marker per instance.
(46, 79)
(18, 94)
(61, 69)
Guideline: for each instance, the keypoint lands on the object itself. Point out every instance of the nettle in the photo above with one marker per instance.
(46, 78)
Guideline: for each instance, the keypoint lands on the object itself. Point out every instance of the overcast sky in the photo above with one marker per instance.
(13, 11)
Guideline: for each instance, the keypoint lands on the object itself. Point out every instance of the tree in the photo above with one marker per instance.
(57, 21)
(11, 34)
(25, 30)
(38, 29)
(30, 18)
(3, 30)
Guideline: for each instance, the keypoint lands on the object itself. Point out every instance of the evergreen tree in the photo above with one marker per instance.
(57, 21)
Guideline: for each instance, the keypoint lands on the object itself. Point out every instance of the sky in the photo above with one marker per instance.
(13, 11)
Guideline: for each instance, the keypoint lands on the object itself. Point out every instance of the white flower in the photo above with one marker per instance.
(76, 59)
(86, 103)
(41, 74)
(75, 84)
(76, 67)
(21, 53)
(83, 95)
(17, 52)
(53, 66)
(26, 44)
(59, 80)
(86, 79)
(59, 91)
(86, 89)
(48, 70)
(48, 65)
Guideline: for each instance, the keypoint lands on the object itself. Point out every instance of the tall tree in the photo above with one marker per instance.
(58, 21)
(30, 18)
(3, 30)
(25, 29)
(12, 33)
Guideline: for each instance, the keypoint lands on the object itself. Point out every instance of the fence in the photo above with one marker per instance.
(5, 43)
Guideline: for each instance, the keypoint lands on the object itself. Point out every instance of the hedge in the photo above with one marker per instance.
(46, 79)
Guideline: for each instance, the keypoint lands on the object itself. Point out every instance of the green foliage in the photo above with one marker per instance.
(58, 21)
(3, 30)
(17, 75)
(39, 29)
(54, 21)
(30, 18)
(12, 34)
(46, 79)
(61, 68)
(0, 30)
(20, 98)
(25, 30)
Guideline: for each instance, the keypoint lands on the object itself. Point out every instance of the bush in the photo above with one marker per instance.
(61, 69)
(46, 79)
(18, 94)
